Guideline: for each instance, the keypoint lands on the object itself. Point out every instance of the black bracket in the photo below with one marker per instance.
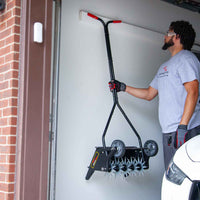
(2, 5)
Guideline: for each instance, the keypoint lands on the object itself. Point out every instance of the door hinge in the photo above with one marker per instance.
(51, 132)
(51, 136)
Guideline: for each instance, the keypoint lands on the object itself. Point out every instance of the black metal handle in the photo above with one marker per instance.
(112, 77)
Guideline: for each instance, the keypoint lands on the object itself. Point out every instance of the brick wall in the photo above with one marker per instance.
(9, 65)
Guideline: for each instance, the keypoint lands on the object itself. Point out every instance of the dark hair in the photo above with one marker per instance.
(186, 33)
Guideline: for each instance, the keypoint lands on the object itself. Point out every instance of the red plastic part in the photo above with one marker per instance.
(117, 21)
(93, 16)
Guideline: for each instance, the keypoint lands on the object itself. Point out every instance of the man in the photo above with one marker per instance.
(177, 85)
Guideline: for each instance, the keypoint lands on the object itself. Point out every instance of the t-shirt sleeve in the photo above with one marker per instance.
(154, 83)
(189, 70)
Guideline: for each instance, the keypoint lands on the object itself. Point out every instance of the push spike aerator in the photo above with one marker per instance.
(118, 158)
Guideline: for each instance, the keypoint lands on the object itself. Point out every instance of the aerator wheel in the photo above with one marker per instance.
(150, 148)
(120, 147)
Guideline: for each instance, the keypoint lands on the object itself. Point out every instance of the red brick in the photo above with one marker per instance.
(11, 39)
(7, 149)
(14, 3)
(7, 187)
(3, 121)
(4, 85)
(2, 195)
(2, 60)
(4, 167)
(4, 103)
(10, 178)
(8, 131)
(2, 14)
(10, 111)
(2, 179)
(7, 15)
(11, 167)
(10, 5)
(13, 102)
(11, 159)
(18, 3)
(15, 29)
(2, 26)
(14, 83)
(14, 65)
(5, 33)
(7, 168)
(2, 158)
(9, 93)
(15, 47)
(1, 77)
(12, 121)
(10, 196)
(16, 11)
(11, 140)
(12, 56)
(2, 141)
(4, 68)
(2, 43)
(5, 50)
(12, 21)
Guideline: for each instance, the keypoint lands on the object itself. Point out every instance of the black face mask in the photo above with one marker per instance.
(168, 44)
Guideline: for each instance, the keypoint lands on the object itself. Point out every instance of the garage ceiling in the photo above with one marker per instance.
(193, 5)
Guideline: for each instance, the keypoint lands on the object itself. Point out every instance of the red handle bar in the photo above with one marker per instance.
(95, 17)
(117, 21)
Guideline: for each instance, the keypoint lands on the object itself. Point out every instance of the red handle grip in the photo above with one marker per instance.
(117, 21)
(93, 16)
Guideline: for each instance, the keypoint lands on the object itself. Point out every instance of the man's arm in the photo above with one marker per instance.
(192, 89)
(142, 93)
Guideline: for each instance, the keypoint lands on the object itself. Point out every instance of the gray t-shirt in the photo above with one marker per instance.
(179, 69)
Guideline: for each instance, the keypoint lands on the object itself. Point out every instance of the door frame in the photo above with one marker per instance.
(33, 105)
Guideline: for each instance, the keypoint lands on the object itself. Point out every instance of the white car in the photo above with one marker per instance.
(181, 180)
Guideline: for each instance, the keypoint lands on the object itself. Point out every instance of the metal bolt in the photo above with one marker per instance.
(103, 169)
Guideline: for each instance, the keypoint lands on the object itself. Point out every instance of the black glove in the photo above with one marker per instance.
(181, 132)
(119, 86)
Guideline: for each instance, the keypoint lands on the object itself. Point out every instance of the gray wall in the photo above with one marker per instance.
(85, 100)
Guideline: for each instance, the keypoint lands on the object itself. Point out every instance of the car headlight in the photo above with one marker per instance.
(174, 174)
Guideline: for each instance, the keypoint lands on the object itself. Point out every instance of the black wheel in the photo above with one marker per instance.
(120, 146)
(150, 148)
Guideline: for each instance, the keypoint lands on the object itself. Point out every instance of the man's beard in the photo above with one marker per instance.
(168, 44)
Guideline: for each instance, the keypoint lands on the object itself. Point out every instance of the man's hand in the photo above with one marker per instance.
(181, 132)
(119, 86)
